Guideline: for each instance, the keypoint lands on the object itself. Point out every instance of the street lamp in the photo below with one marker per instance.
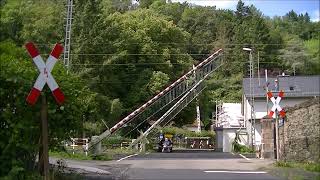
(247, 49)
(252, 112)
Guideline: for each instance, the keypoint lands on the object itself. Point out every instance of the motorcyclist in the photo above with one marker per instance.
(166, 145)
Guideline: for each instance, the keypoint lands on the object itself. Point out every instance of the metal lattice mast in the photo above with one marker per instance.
(219, 111)
(67, 40)
(198, 116)
(198, 120)
(253, 139)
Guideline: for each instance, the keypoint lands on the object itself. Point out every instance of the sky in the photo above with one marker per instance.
(267, 7)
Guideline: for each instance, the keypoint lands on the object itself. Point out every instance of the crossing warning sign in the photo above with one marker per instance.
(45, 76)
(276, 102)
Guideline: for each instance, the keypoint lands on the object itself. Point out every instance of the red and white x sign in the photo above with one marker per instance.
(276, 105)
(45, 75)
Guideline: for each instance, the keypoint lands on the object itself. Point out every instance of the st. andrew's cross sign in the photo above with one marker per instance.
(45, 76)
(276, 105)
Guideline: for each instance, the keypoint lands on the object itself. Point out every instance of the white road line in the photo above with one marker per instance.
(237, 172)
(244, 157)
(126, 157)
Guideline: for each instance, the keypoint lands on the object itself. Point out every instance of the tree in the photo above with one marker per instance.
(292, 16)
(312, 49)
(172, 10)
(140, 57)
(295, 24)
(86, 32)
(293, 54)
(135, 39)
(111, 6)
(145, 3)
(242, 11)
(38, 21)
(157, 81)
(201, 23)
(11, 21)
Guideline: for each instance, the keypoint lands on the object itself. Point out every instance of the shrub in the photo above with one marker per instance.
(242, 148)
(114, 140)
(283, 164)
(186, 133)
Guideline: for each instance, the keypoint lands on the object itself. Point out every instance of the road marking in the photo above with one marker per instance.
(244, 157)
(126, 157)
(238, 172)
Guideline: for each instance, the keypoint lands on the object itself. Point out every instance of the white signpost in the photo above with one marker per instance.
(276, 106)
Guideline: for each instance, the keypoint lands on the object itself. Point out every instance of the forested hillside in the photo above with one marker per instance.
(123, 53)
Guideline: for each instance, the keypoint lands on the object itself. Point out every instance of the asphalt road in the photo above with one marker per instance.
(178, 165)
(193, 165)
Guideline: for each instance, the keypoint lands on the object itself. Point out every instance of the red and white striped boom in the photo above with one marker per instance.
(165, 97)
(141, 108)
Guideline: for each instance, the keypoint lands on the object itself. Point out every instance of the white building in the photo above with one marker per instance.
(297, 89)
(229, 120)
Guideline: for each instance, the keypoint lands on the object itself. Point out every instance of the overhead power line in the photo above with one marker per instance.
(150, 64)
(173, 54)
(173, 43)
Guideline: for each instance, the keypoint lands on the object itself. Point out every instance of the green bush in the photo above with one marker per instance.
(114, 140)
(241, 148)
(185, 132)
(120, 151)
(102, 157)
(149, 146)
(284, 164)
(237, 147)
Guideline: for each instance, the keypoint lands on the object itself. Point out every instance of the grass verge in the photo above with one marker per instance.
(308, 166)
(67, 155)
(294, 170)
(109, 154)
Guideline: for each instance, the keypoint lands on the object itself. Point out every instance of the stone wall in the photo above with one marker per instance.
(299, 137)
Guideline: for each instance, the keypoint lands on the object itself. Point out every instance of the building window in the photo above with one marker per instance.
(291, 88)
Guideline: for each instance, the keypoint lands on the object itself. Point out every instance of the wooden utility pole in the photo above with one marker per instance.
(258, 69)
(277, 122)
(267, 89)
(45, 77)
(44, 137)
(277, 136)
